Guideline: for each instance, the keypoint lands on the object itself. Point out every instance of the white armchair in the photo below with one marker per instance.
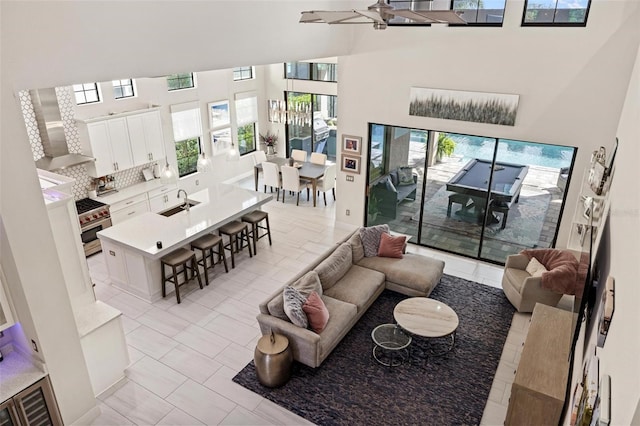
(328, 182)
(522, 289)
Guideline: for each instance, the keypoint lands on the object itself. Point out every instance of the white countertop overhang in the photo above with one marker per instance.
(218, 205)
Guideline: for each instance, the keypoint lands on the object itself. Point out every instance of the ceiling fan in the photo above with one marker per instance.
(380, 13)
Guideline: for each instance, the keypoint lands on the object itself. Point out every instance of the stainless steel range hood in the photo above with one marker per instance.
(54, 143)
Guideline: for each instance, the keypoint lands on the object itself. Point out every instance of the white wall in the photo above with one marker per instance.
(619, 357)
(571, 82)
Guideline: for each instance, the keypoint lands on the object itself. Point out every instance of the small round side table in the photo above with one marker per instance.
(273, 359)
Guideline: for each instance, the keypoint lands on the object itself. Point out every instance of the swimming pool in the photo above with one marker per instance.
(510, 151)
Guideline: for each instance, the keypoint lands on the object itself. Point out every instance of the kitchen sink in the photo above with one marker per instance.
(177, 209)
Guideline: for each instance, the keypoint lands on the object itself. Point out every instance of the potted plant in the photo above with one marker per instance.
(270, 141)
(446, 146)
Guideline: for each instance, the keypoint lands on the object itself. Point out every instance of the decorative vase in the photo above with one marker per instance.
(270, 150)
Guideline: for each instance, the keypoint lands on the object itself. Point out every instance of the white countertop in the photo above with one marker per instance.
(92, 316)
(17, 372)
(218, 205)
(131, 191)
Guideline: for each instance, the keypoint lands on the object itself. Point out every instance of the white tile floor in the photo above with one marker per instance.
(184, 356)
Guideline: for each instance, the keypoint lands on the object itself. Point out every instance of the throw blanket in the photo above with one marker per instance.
(562, 270)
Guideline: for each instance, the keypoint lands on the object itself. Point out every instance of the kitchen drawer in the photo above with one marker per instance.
(127, 203)
(162, 190)
(128, 212)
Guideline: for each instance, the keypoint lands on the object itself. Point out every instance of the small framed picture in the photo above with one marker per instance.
(350, 164)
(351, 144)
(219, 114)
(220, 141)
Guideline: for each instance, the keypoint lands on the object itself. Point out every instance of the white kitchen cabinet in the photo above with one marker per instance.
(145, 135)
(163, 198)
(108, 142)
(128, 208)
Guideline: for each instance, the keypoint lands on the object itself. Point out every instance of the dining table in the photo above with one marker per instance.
(309, 171)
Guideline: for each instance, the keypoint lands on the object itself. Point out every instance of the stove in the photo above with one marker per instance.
(93, 216)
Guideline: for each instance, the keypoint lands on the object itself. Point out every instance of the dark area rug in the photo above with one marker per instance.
(351, 388)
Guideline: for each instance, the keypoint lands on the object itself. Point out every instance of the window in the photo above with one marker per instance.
(556, 12)
(242, 73)
(187, 132)
(87, 93)
(187, 152)
(180, 81)
(247, 138)
(311, 71)
(246, 118)
(480, 11)
(123, 89)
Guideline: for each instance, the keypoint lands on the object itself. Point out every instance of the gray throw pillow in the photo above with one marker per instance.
(390, 186)
(306, 284)
(357, 251)
(293, 301)
(335, 266)
(405, 176)
(370, 237)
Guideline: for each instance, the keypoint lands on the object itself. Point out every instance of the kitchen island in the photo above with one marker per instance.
(130, 248)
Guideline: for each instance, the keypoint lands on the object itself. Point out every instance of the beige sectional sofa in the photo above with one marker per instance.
(348, 284)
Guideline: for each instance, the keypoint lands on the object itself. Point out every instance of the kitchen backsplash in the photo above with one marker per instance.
(79, 173)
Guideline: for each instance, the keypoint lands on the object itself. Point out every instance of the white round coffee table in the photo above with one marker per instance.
(427, 318)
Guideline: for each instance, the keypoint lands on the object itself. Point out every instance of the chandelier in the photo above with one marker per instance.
(299, 113)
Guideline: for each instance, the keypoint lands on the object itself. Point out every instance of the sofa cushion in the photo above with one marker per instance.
(293, 301)
(359, 286)
(370, 237)
(342, 316)
(357, 250)
(335, 266)
(317, 312)
(405, 176)
(535, 268)
(395, 180)
(305, 285)
(418, 274)
(391, 246)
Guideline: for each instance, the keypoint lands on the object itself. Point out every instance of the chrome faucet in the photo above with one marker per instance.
(186, 201)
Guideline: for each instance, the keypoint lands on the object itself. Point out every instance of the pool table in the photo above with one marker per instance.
(471, 183)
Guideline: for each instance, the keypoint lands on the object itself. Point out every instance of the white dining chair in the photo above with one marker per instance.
(291, 182)
(299, 155)
(318, 158)
(259, 157)
(328, 182)
(272, 177)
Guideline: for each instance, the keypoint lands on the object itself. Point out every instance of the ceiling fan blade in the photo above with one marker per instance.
(336, 17)
(430, 16)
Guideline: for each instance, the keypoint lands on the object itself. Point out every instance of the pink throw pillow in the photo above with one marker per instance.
(391, 246)
(316, 311)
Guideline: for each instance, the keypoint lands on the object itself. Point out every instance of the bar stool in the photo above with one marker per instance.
(180, 257)
(254, 218)
(238, 233)
(209, 245)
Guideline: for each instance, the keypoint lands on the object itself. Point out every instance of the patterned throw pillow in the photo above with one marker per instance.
(405, 176)
(293, 301)
(370, 237)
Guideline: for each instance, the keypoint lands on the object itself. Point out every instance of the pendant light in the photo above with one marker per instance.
(233, 154)
(168, 174)
(204, 164)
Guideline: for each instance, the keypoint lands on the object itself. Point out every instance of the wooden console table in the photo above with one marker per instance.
(538, 390)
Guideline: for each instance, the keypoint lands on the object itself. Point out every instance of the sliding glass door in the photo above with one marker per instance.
(475, 196)
(312, 123)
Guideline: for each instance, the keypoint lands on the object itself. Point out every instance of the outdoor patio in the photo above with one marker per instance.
(531, 222)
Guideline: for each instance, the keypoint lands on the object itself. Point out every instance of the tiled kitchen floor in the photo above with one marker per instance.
(184, 356)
